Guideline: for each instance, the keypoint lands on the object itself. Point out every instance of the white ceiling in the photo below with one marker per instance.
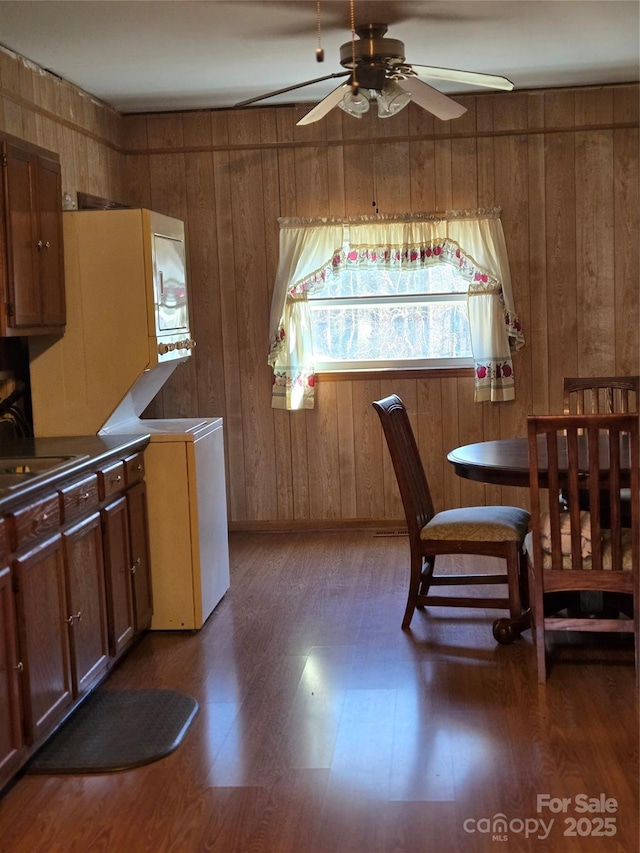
(148, 56)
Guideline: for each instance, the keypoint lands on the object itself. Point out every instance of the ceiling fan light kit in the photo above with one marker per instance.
(392, 99)
(377, 66)
(356, 104)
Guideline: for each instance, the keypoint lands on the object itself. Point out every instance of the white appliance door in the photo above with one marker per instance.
(213, 535)
(170, 285)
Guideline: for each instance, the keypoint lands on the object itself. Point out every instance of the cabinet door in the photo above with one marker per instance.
(35, 293)
(43, 637)
(140, 567)
(22, 252)
(49, 243)
(118, 575)
(11, 739)
(86, 606)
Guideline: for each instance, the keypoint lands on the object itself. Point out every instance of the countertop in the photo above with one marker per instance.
(89, 452)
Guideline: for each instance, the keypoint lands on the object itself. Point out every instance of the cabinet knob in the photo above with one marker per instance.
(45, 245)
(77, 616)
(19, 666)
(135, 566)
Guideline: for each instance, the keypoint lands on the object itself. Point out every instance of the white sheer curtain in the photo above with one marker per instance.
(310, 250)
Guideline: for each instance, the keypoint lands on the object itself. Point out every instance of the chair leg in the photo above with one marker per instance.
(415, 582)
(636, 631)
(541, 653)
(506, 631)
(537, 615)
(513, 581)
(426, 573)
(523, 570)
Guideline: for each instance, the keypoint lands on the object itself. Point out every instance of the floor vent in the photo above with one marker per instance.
(402, 532)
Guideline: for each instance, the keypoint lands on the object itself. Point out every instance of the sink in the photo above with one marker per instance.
(18, 470)
(31, 464)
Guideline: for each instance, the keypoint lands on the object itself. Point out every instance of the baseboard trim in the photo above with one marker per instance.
(386, 526)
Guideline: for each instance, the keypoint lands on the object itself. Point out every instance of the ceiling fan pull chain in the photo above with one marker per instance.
(355, 86)
(319, 49)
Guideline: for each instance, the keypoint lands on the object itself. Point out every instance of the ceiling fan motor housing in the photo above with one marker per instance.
(372, 49)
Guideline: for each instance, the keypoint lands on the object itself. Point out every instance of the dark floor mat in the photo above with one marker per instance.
(117, 730)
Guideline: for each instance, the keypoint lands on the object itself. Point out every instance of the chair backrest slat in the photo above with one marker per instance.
(407, 463)
(601, 394)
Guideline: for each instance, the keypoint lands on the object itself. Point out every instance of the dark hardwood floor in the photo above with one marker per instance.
(324, 728)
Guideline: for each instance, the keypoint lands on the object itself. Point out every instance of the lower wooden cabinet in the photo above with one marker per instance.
(118, 570)
(126, 539)
(12, 745)
(43, 638)
(139, 550)
(75, 592)
(86, 603)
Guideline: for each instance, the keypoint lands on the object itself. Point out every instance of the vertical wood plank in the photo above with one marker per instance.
(536, 291)
(430, 437)
(626, 207)
(560, 242)
(368, 451)
(222, 170)
(346, 449)
(594, 253)
(323, 456)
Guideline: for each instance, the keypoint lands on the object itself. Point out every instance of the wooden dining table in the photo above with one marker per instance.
(505, 462)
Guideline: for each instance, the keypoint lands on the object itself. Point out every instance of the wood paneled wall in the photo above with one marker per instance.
(41, 108)
(562, 163)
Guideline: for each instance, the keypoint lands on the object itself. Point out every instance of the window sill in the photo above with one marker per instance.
(399, 373)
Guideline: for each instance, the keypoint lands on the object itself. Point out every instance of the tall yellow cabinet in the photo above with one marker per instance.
(121, 344)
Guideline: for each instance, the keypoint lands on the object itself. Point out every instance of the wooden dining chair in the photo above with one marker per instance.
(571, 550)
(600, 394)
(492, 531)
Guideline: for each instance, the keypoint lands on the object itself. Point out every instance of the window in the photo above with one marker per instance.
(395, 290)
(381, 318)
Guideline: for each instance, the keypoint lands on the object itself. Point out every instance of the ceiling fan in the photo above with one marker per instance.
(378, 70)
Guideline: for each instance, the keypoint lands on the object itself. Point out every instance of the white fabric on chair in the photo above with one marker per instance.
(565, 533)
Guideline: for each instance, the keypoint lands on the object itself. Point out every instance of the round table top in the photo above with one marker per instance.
(503, 462)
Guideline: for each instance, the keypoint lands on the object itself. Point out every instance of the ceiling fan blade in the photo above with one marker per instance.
(430, 99)
(473, 78)
(326, 104)
(291, 88)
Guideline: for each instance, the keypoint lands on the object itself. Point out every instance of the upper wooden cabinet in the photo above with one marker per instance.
(32, 296)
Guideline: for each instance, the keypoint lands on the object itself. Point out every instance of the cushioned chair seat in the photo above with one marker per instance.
(478, 524)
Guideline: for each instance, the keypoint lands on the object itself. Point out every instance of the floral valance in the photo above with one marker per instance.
(313, 250)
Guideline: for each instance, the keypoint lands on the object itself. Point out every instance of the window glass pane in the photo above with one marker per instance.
(440, 278)
(386, 332)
